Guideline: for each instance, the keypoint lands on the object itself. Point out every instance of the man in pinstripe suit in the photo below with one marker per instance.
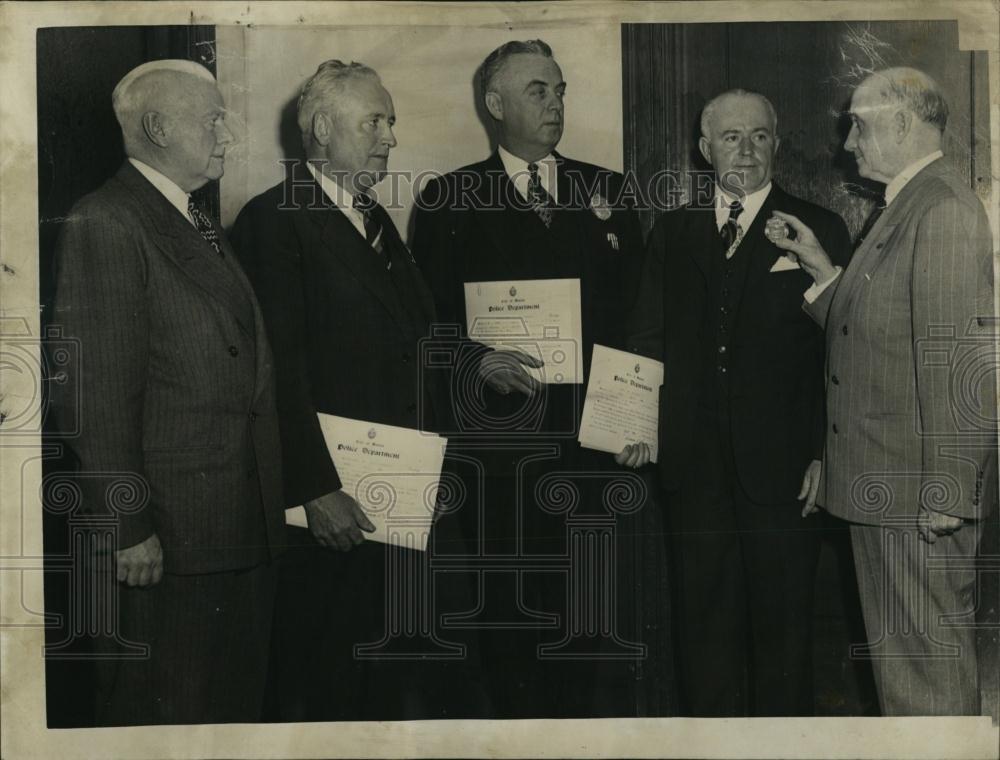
(176, 401)
(910, 396)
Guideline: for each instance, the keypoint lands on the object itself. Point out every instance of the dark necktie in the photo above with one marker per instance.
(876, 212)
(541, 201)
(731, 229)
(204, 226)
(365, 205)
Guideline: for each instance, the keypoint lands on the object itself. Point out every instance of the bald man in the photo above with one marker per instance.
(910, 382)
(178, 446)
(741, 428)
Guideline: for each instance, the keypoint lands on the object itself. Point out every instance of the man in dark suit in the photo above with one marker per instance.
(529, 213)
(346, 308)
(741, 422)
(178, 440)
(911, 395)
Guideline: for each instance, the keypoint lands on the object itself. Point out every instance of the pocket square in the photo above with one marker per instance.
(784, 264)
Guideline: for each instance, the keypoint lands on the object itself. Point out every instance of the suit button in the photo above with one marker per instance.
(722, 349)
(835, 431)
(722, 369)
(834, 380)
(234, 351)
(844, 329)
(253, 416)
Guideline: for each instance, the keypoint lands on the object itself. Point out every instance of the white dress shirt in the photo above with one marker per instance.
(896, 184)
(167, 187)
(340, 197)
(517, 170)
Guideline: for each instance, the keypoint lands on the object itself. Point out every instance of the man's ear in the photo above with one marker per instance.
(494, 104)
(154, 128)
(902, 122)
(321, 128)
(703, 146)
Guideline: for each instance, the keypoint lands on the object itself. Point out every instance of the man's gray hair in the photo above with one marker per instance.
(709, 111)
(915, 90)
(323, 88)
(131, 96)
(494, 61)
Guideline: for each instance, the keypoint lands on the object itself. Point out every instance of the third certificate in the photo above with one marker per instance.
(623, 401)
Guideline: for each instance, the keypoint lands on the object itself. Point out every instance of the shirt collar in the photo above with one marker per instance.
(517, 170)
(751, 205)
(899, 181)
(167, 187)
(336, 193)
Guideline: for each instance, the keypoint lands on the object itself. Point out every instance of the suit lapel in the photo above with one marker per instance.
(873, 249)
(700, 226)
(505, 216)
(334, 232)
(178, 239)
(762, 253)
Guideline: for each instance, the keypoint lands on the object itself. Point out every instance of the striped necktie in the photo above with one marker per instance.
(731, 230)
(541, 201)
(365, 205)
(204, 226)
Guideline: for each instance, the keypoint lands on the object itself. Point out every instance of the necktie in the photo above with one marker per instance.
(204, 226)
(731, 232)
(541, 201)
(365, 205)
(876, 212)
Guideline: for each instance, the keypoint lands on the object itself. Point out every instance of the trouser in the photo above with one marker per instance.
(207, 638)
(918, 601)
(745, 575)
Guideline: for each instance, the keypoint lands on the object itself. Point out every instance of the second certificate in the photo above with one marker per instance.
(539, 317)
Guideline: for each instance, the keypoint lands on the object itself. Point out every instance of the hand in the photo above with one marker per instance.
(336, 521)
(503, 371)
(140, 564)
(932, 524)
(806, 248)
(634, 455)
(810, 487)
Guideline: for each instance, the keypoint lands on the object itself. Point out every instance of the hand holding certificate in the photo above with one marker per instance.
(393, 473)
(540, 318)
(622, 406)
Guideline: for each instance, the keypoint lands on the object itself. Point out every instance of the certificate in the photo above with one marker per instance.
(539, 317)
(622, 405)
(392, 472)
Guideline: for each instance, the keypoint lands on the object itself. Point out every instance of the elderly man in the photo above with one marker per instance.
(910, 421)
(741, 422)
(529, 213)
(176, 407)
(346, 308)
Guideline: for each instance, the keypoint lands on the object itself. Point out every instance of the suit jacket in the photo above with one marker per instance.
(910, 394)
(776, 353)
(346, 332)
(173, 391)
(472, 226)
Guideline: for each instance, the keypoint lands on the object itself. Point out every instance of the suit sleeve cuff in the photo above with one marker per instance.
(817, 288)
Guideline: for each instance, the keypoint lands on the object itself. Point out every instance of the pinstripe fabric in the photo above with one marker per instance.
(174, 378)
(910, 423)
(907, 407)
(913, 596)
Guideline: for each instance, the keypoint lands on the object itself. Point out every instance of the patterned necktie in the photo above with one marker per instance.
(731, 232)
(876, 212)
(365, 205)
(541, 201)
(204, 225)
